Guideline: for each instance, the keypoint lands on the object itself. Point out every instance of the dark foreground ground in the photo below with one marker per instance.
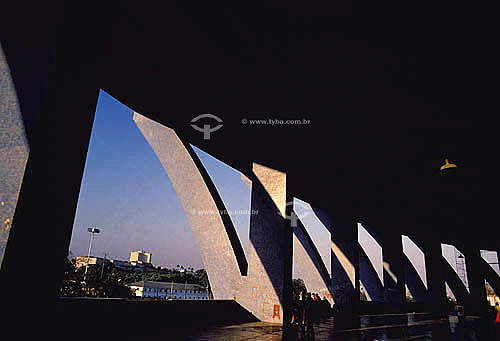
(381, 327)
(116, 319)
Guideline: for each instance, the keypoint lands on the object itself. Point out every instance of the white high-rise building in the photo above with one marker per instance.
(141, 257)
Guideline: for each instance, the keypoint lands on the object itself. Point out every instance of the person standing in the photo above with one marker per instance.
(295, 311)
(309, 314)
(302, 308)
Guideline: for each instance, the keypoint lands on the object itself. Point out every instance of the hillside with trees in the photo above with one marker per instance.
(109, 281)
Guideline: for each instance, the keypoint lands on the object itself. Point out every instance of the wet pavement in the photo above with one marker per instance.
(369, 327)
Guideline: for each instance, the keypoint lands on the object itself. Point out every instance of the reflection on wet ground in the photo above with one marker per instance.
(413, 326)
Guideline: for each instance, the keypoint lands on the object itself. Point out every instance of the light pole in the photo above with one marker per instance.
(92, 230)
(103, 264)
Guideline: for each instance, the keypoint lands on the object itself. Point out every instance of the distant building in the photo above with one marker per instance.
(121, 264)
(140, 257)
(139, 261)
(82, 261)
(165, 290)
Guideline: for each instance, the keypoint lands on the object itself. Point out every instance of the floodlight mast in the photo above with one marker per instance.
(92, 230)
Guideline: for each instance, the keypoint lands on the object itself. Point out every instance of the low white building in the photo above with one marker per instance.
(121, 264)
(169, 291)
(140, 256)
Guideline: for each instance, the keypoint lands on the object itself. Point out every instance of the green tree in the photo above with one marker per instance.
(110, 284)
(202, 278)
(298, 285)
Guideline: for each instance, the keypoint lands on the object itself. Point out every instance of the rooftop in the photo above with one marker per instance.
(167, 285)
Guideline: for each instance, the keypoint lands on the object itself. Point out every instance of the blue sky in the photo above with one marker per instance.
(127, 194)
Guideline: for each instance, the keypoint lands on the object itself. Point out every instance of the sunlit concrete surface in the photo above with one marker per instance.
(345, 262)
(260, 290)
(372, 249)
(215, 247)
(344, 247)
(457, 261)
(371, 327)
(311, 251)
(491, 257)
(14, 151)
(416, 258)
(307, 266)
(371, 265)
(415, 270)
(316, 229)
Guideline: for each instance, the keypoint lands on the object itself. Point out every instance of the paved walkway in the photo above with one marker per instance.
(371, 327)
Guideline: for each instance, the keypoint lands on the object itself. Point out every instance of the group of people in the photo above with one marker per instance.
(308, 308)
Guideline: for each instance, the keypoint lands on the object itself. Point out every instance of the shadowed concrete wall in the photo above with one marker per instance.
(476, 302)
(13, 151)
(344, 260)
(369, 278)
(439, 271)
(491, 276)
(389, 287)
(413, 281)
(163, 317)
(436, 291)
(414, 268)
(308, 265)
(260, 291)
(454, 282)
(394, 281)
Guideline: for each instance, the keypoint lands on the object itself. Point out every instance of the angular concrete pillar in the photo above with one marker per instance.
(312, 250)
(261, 292)
(216, 251)
(14, 151)
(309, 264)
(345, 265)
(454, 282)
(290, 222)
(414, 267)
(371, 270)
(491, 276)
(65, 98)
(394, 279)
(477, 302)
(435, 295)
(260, 288)
(436, 298)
